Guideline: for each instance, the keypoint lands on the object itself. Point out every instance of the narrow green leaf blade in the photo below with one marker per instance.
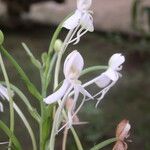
(34, 61)
(32, 89)
(15, 141)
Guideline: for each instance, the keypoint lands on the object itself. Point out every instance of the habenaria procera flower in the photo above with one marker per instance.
(108, 78)
(73, 66)
(3, 95)
(81, 21)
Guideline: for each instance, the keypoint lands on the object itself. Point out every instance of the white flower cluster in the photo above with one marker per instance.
(82, 21)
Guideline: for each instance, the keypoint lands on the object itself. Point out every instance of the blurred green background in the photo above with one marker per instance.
(129, 98)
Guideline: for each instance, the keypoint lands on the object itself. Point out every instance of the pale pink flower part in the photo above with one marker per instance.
(81, 21)
(122, 133)
(123, 129)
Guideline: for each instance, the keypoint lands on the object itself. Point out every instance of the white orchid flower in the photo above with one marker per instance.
(81, 21)
(108, 78)
(73, 66)
(3, 95)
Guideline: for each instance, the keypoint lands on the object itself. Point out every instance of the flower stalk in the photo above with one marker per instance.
(10, 99)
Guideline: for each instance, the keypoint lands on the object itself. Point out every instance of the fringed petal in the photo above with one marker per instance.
(103, 92)
(80, 33)
(58, 94)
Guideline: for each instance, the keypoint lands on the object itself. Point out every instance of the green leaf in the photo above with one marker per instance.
(1, 37)
(35, 62)
(103, 144)
(27, 125)
(15, 141)
(32, 110)
(32, 89)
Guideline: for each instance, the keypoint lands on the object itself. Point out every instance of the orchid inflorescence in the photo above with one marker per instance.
(74, 63)
(53, 118)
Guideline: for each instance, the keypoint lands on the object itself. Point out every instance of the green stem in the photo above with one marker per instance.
(46, 115)
(32, 89)
(27, 125)
(49, 74)
(103, 144)
(51, 46)
(65, 138)
(76, 138)
(58, 62)
(56, 82)
(55, 36)
(56, 33)
(93, 68)
(10, 99)
(42, 110)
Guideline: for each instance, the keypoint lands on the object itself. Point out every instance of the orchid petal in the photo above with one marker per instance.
(72, 21)
(4, 92)
(84, 92)
(58, 94)
(116, 60)
(84, 4)
(73, 65)
(111, 74)
(102, 81)
(86, 22)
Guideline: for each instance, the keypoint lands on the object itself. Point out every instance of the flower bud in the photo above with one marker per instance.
(1, 37)
(69, 107)
(123, 129)
(120, 146)
(122, 133)
(58, 45)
